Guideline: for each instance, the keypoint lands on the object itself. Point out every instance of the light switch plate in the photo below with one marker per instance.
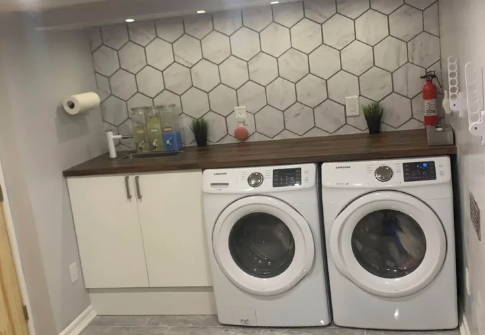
(352, 106)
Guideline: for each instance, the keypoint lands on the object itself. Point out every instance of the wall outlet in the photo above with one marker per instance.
(241, 115)
(74, 272)
(352, 106)
(475, 216)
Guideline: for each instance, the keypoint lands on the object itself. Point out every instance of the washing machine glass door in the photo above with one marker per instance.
(263, 245)
(388, 243)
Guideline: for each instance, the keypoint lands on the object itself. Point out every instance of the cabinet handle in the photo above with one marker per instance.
(127, 186)
(137, 183)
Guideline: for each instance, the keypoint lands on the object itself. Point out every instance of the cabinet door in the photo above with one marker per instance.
(172, 224)
(108, 231)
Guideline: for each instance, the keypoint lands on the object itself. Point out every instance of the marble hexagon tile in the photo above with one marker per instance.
(292, 65)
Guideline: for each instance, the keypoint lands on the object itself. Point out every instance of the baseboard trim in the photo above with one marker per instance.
(80, 323)
(464, 329)
(153, 301)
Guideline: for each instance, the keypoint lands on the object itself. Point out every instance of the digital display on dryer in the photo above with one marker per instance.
(286, 177)
(419, 171)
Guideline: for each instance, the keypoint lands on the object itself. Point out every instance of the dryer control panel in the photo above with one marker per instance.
(387, 173)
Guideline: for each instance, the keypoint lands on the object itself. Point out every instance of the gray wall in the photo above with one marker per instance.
(39, 70)
(292, 65)
(21, 208)
(461, 26)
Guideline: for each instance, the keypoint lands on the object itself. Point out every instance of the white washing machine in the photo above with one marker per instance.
(391, 243)
(263, 227)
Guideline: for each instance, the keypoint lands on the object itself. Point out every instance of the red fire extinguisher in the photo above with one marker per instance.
(430, 95)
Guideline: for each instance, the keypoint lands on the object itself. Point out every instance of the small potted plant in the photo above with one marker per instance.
(373, 116)
(200, 128)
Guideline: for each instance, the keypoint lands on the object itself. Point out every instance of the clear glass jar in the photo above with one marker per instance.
(168, 118)
(172, 138)
(139, 129)
(153, 118)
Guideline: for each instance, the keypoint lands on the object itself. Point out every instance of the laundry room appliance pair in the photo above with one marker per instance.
(389, 239)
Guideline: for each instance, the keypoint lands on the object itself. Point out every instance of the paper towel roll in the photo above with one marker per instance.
(81, 103)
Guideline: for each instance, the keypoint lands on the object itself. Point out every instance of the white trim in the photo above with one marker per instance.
(464, 329)
(154, 301)
(15, 252)
(80, 323)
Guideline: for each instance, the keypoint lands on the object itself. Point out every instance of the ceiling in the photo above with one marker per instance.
(37, 5)
(78, 14)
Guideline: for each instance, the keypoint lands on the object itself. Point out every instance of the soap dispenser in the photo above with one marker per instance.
(139, 129)
(172, 138)
(154, 128)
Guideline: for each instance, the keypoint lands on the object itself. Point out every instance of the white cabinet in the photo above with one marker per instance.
(108, 231)
(154, 239)
(173, 229)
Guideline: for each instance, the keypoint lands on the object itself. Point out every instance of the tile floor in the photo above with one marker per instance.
(208, 325)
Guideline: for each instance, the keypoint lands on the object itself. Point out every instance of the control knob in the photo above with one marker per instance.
(383, 173)
(255, 179)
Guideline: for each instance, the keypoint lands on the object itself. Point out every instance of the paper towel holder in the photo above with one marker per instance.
(70, 104)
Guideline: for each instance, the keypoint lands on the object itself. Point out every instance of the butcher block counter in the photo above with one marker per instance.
(398, 144)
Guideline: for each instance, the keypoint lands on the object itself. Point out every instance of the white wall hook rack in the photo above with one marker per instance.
(457, 99)
(474, 93)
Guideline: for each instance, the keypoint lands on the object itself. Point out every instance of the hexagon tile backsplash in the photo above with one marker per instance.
(291, 65)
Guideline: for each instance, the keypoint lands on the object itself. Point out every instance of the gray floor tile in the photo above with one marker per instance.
(313, 331)
(213, 331)
(183, 321)
(235, 330)
(91, 331)
(208, 325)
(429, 332)
(124, 331)
(120, 321)
(96, 331)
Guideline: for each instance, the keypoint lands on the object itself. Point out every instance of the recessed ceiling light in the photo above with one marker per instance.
(130, 20)
(274, 2)
(200, 11)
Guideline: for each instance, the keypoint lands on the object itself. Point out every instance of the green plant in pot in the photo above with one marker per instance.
(373, 115)
(200, 128)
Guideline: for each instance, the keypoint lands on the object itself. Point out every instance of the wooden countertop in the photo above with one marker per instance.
(399, 144)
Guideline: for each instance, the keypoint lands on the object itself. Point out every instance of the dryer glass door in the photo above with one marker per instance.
(388, 243)
(263, 245)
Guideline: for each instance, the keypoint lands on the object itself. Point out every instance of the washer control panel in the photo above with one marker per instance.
(286, 177)
(383, 173)
(255, 179)
(419, 171)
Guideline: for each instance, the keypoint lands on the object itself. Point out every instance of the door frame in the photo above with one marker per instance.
(15, 251)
